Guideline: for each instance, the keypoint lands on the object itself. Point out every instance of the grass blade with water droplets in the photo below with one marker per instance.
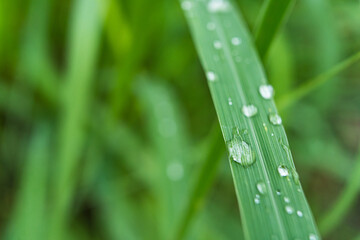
(269, 194)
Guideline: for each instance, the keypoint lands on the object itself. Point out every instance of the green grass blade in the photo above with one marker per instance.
(235, 75)
(343, 204)
(281, 65)
(82, 54)
(36, 66)
(269, 22)
(310, 85)
(169, 140)
(29, 217)
(203, 182)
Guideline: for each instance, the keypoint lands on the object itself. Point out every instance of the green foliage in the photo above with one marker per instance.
(235, 77)
(108, 129)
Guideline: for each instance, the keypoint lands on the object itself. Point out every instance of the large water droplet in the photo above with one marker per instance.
(236, 41)
(240, 151)
(283, 171)
(175, 171)
(289, 209)
(261, 187)
(218, 6)
(186, 5)
(275, 119)
(217, 44)
(266, 91)
(299, 213)
(313, 237)
(211, 76)
(249, 110)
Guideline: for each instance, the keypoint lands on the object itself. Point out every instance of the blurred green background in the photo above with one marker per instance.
(106, 119)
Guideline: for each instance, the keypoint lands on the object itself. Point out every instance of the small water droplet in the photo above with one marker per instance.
(286, 199)
(249, 110)
(299, 213)
(261, 187)
(186, 5)
(230, 101)
(217, 44)
(278, 192)
(175, 171)
(236, 41)
(256, 200)
(211, 26)
(218, 6)
(283, 171)
(289, 209)
(313, 237)
(211, 76)
(275, 119)
(266, 91)
(295, 176)
(265, 127)
(272, 134)
(240, 151)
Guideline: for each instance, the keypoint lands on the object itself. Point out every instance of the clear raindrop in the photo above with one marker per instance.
(283, 171)
(249, 110)
(236, 41)
(218, 6)
(289, 209)
(261, 187)
(217, 44)
(299, 213)
(240, 151)
(313, 237)
(275, 119)
(186, 5)
(295, 176)
(211, 76)
(266, 91)
(230, 101)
